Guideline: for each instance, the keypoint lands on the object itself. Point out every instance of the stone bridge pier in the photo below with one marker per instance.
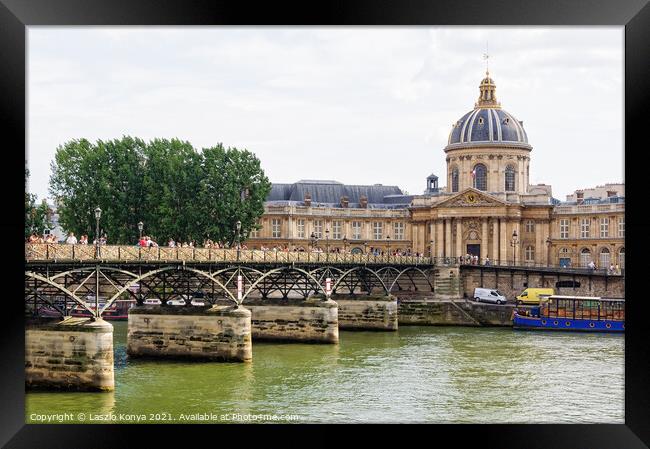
(69, 354)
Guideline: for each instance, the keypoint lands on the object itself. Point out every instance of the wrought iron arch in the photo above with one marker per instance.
(61, 288)
(424, 275)
(270, 273)
(161, 270)
(357, 269)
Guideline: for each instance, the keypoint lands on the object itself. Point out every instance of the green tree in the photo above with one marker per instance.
(233, 187)
(37, 217)
(174, 190)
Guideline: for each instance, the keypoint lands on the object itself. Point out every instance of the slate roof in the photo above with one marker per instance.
(488, 125)
(330, 193)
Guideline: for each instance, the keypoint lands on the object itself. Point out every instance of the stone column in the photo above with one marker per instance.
(448, 237)
(440, 238)
(459, 237)
(484, 241)
(503, 252)
(495, 240)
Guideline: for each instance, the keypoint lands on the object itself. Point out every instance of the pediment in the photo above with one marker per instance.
(472, 198)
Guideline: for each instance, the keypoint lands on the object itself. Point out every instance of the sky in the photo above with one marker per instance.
(358, 105)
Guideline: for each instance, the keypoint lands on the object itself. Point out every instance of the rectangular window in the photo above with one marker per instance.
(255, 233)
(398, 231)
(356, 230)
(584, 227)
(604, 227)
(564, 228)
(621, 227)
(377, 230)
(530, 226)
(336, 230)
(300, 228)
(318, 228)
(276, 224)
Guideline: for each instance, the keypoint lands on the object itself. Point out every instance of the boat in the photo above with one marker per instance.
(573, 313)
(119, 310)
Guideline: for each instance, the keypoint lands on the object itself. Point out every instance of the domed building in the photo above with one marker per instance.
(488, 207)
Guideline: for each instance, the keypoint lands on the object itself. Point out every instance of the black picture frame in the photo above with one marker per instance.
(15, 15)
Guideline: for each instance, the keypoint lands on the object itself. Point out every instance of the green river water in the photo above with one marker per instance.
(418, 374)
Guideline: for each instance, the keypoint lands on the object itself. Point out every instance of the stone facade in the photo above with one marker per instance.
(511, 284)
(503, 218)
(313, 320)
(73, 354)
(427, 311)
(217, 333)
(367, 312)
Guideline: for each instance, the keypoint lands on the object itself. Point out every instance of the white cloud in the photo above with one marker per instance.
(356, 104)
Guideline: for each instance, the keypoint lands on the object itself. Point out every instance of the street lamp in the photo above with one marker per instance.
(327, 242)
(365, 248)
(312, 237)
(98, 215)
(345, 244)
(140, 228)
(388, 240)
(238, 226)
(431, 249)
(513, 242)
(548, 251)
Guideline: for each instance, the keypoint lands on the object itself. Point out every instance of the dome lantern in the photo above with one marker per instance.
(488, 96)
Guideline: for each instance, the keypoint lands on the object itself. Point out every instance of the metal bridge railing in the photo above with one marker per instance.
(35, 252)
(510, 264)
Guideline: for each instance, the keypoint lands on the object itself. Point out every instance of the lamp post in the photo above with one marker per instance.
(548, 251)
(431, 249)
(327, 243)
(312, 238)
(388, 240)
(238, 226)
(140, 228)
(513, 242)
(365, 248)
(98, 215)
(345, 244)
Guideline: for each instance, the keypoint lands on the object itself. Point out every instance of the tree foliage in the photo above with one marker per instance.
(175, 190)
(37, 216)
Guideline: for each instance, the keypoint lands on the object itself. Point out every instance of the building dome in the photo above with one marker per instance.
(487, 123)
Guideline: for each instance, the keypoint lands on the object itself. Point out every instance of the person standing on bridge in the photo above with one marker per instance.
(71, 240)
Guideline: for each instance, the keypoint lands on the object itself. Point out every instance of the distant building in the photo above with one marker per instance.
(488, 207)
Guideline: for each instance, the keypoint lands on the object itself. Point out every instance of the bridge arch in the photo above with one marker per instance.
(312, 282)
(354, 271)
(61, 288)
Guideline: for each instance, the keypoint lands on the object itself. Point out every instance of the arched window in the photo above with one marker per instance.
(621, 258)
(480, 177)
(454, 179)
(585, 257)
(530, 254)
(604, 258)
(510, 178)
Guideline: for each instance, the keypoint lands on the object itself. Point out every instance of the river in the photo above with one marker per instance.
(418, 375)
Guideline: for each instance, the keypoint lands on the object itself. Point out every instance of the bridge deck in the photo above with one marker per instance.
(40, 252)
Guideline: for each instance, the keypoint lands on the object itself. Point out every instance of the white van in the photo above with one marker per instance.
(176, 302)
(489, 295)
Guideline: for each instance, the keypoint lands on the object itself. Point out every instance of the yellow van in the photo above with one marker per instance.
(532, 295)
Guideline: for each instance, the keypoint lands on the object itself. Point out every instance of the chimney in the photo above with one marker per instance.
(345, 201)
(363, 201)
(308, 199)
(580, 197)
